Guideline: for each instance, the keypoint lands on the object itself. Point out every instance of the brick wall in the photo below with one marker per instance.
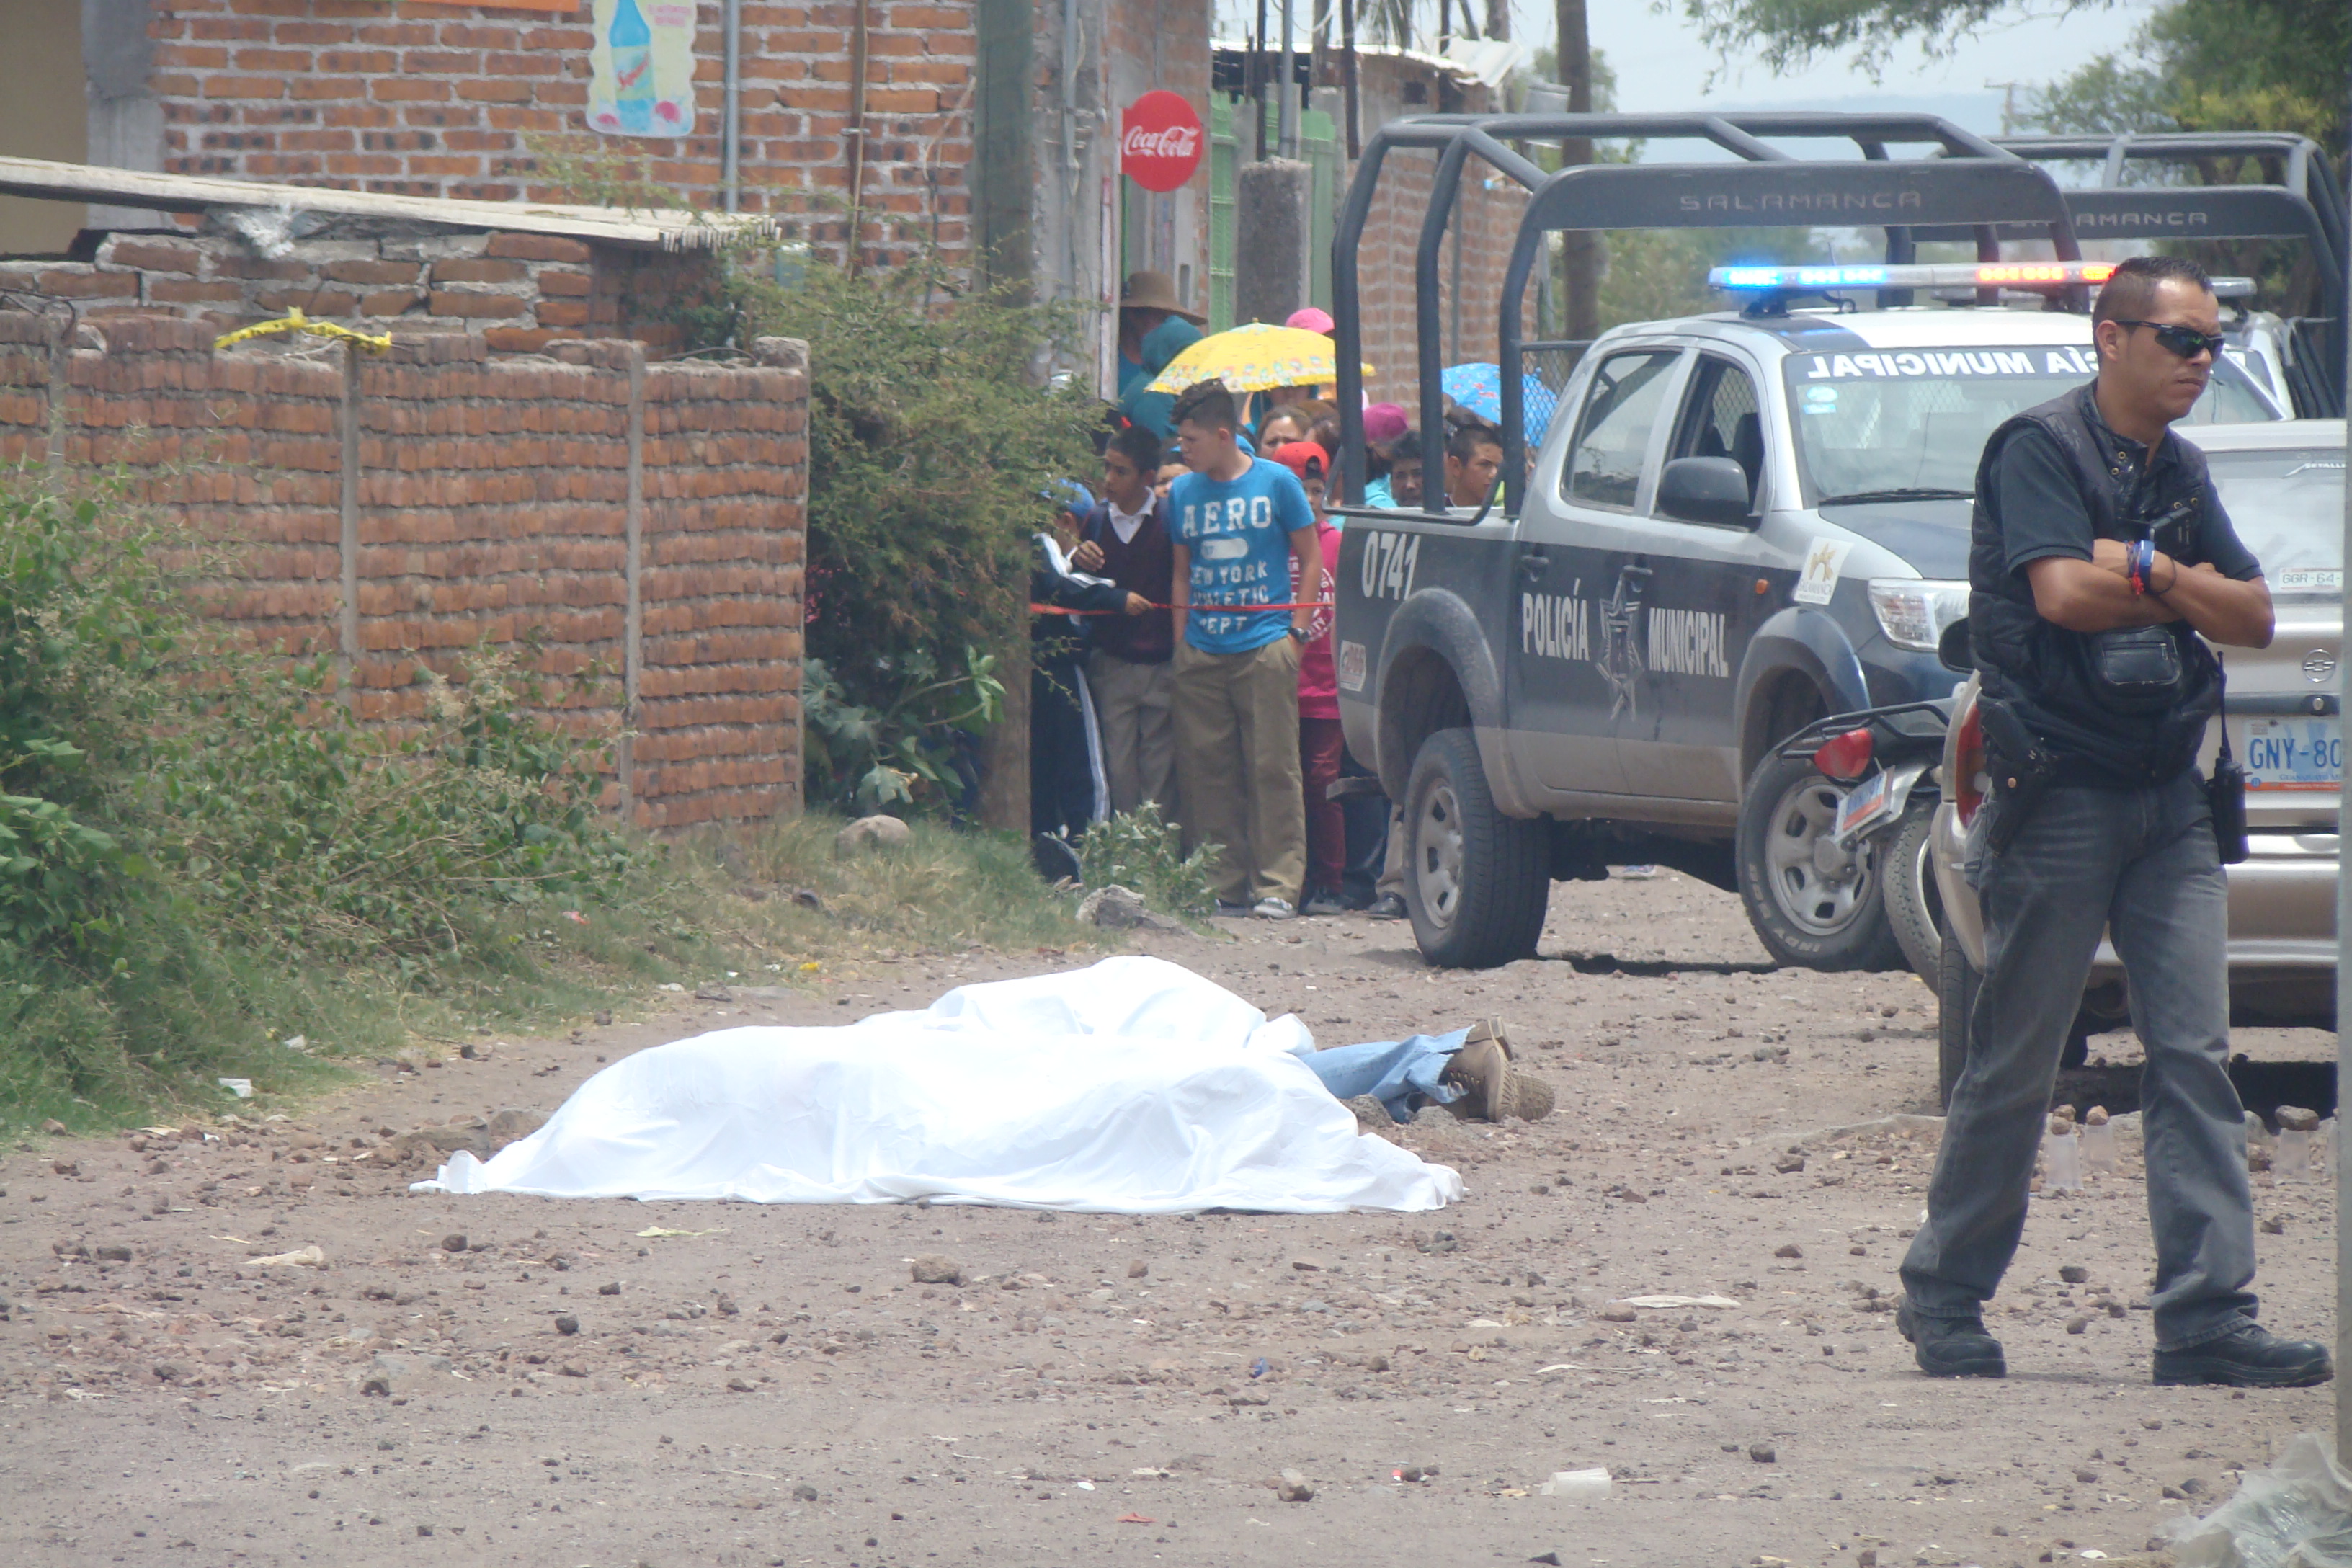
(519, 292)
(1484, 228)
(438, 100)
(643, 526)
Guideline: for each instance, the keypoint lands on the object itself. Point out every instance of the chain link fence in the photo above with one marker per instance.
(1545, 369)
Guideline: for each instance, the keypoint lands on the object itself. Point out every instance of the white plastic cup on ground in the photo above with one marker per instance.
(1589, 1483)
(2300, 1155)
(2062, 1160)
(2099, 1152)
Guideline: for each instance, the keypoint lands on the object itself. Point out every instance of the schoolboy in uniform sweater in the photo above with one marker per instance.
(1126, 539)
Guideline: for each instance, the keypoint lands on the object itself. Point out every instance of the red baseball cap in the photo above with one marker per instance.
(1301, 457)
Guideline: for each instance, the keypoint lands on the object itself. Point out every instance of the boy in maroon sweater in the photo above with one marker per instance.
(1125, 538)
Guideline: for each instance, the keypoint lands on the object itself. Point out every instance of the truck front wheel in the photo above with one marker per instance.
(1477, 880)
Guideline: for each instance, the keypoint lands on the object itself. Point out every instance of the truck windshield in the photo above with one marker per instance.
(1901, 425)
(2289, 510)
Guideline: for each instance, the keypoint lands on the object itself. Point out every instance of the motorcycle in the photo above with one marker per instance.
(1887, 762)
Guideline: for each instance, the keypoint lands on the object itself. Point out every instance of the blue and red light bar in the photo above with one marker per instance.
(1915, 275)
(2035, 275)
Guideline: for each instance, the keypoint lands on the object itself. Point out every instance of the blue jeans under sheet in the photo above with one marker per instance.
(1402, 1075)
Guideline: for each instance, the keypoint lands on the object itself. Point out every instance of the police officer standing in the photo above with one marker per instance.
(2100, 551)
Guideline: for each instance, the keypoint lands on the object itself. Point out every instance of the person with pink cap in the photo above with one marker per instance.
(1311, 319)
(1384, 425)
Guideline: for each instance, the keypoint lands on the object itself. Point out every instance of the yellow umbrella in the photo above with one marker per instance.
(1255, 358)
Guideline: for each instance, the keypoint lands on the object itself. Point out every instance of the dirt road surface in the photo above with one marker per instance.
(771, 1386)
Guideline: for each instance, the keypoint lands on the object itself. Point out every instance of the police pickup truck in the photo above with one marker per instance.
(1734, 524)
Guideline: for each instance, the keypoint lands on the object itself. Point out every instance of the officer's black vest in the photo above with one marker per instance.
(2042, 670)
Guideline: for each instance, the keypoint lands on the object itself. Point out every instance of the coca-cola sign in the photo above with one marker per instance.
(1160, 141)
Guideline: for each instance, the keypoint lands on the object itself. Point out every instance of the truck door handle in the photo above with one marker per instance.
(1532, 567)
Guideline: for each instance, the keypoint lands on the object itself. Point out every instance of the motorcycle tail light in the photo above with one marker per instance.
(1968, 761)
(1845, 758)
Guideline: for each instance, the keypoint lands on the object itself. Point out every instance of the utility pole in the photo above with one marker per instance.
(1287, 118)
(1348, 75)
(2007, 105)
(1498, 18)
(1580, 249)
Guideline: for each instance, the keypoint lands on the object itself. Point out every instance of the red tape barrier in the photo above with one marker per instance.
(1205, 609)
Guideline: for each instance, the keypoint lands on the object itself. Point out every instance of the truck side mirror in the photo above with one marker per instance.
(1952, 648)
(1705, 490)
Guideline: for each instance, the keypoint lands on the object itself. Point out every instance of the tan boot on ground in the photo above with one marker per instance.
(1492, 1087)
(1491, 1029)
(1530, 1097)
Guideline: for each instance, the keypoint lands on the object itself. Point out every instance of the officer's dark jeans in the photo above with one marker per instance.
(2141, 865)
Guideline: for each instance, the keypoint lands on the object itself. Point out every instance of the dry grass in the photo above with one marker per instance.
(781, 891)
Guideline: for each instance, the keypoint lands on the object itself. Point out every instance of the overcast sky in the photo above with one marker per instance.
(1656, 58)
(1659, 59)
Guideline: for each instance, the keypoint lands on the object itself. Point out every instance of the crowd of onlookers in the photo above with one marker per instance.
(1183, 653)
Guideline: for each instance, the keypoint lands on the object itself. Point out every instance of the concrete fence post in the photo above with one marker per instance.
(633, 624)
(347, 614)
(1271, 261)
(60, 336)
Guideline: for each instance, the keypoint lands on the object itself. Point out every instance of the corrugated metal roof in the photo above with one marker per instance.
(669, 231)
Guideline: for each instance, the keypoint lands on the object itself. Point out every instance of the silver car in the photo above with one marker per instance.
(2283, 485)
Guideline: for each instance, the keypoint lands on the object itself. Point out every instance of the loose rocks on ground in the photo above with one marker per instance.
(1116, 908)
(871, 833)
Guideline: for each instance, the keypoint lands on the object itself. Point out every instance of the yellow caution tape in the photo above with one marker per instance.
(296, 321)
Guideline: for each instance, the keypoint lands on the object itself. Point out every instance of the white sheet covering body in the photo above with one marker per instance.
(1134, 1086)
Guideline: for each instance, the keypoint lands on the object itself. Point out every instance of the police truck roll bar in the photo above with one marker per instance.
(2300, 198)
(1972, 182)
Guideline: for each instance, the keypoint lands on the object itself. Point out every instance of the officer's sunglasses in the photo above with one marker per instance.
(2185, 341)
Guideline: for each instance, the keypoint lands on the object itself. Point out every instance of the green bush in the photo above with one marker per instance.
(930, 440)
(934, 432)
(918, 753)
(303, 830)
(87, 627)
(1142, 850)
(199, 851)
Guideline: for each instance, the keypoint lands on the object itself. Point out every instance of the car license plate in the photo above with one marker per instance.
(2293, 753)
(1863, 805)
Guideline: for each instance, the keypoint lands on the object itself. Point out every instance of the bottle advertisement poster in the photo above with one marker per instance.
(641, 68)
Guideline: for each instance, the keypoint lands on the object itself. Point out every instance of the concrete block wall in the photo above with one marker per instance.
(643, 526)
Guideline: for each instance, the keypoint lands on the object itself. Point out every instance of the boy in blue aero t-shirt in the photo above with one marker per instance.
(1238, 524)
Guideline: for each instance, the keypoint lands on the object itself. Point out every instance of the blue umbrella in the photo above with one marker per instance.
(1479, 389)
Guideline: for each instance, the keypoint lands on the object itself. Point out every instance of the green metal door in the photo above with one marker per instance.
(1318, 147)
(1224, 177)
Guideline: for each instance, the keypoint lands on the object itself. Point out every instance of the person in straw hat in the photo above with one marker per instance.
(1147, 300)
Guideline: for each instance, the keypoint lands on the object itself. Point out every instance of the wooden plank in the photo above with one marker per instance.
(665, 230)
